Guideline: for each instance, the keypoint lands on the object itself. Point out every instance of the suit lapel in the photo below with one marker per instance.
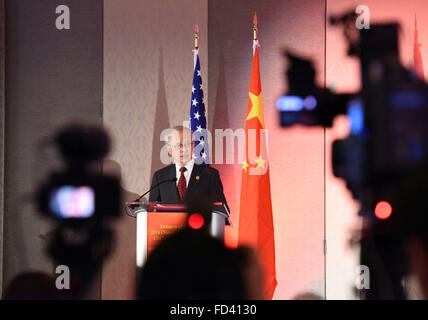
(173, 186)
(196, 172)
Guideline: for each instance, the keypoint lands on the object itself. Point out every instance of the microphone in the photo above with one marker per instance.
(154, 187)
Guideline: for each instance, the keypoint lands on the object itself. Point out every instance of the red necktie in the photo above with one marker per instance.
(181, 186)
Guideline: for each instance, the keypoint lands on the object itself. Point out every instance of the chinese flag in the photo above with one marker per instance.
(255, 212)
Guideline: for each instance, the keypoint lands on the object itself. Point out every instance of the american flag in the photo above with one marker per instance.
(198, 119)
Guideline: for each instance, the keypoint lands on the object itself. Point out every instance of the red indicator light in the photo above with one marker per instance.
(383, 210)
(196, 221)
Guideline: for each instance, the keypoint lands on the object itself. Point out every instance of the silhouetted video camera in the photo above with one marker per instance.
(81, 191)
(389, 135)
(388, 140)
(82, 201)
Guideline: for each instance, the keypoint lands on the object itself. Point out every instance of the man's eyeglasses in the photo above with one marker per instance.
(181, 146)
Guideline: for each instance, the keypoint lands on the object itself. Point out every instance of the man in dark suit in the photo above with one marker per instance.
(192, 180)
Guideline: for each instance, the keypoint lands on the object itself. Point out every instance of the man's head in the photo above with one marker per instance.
(180, 145)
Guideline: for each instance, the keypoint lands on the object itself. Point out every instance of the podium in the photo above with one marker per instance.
(156, 221)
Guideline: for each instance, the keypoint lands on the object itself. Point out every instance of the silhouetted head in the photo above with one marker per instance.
(192, 265)
(82, 142)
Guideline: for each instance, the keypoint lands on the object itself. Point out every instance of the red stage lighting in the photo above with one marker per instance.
(196, 221)
(383, 210)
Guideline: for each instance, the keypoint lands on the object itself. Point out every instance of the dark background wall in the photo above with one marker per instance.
(51, 76)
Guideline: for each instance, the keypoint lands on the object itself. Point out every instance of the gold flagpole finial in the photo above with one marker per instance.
(196, 36)
(255, 28)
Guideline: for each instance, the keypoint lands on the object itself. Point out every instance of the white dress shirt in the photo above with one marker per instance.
(187, 173)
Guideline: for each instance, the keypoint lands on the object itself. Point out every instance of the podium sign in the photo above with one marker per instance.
(156, 221)
(153, 227)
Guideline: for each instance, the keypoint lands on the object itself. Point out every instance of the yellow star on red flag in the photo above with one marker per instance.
(257, 108)
(260, 162)
(245, 165)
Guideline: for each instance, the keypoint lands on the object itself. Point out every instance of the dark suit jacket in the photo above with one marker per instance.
(204, 182)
